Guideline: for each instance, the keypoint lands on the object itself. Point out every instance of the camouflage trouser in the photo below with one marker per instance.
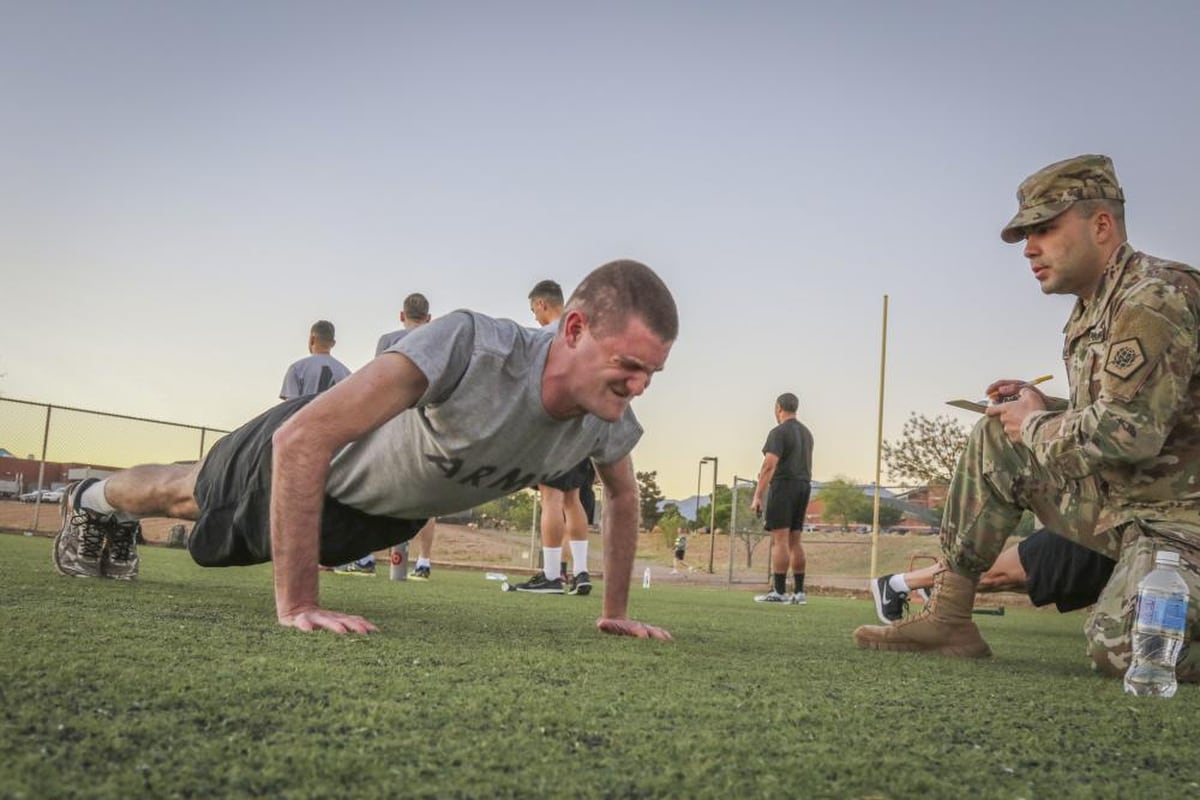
(997, 480)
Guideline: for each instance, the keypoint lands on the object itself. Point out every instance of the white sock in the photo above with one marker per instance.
(579, 554)
(94, 499)
(423, 562)
(552, 561)
(898, 583)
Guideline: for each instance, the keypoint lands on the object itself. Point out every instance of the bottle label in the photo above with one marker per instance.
(1162, 614)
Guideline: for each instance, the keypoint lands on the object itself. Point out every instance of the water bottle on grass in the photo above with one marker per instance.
(1158, 629)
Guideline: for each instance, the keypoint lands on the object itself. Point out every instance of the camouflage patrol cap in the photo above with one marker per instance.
(1052, 190)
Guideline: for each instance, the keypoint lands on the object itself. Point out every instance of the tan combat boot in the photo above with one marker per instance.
(944, 626)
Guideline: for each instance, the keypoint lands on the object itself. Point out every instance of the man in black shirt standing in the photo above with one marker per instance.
(787, 469)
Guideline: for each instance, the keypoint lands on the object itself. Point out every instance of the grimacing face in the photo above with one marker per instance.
(613, 369)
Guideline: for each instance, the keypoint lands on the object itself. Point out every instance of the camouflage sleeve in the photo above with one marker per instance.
(1139, 385)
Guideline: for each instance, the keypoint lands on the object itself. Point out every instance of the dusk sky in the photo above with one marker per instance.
(187, 186)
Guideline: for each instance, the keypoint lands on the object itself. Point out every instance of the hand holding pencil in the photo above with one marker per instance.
(1007, 390)
(1012, 404)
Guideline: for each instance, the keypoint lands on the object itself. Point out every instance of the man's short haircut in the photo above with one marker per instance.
(549, 291)
(416, 306)
(613, 293)
(788, 402)
(1086, 208)
(323, 330)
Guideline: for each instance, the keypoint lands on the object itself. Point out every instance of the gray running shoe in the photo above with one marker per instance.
(799, 599)
(120, 560)
(773, 597)
(79, 546)
(356, 569)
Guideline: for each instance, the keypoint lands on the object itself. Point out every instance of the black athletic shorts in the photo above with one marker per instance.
(587, 499)
(679, 555)
(1062, 572)
(576, 477)
(787, 502)
(233, 492)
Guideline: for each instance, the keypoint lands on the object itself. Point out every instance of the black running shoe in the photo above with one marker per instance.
(889, 604)
(538, 584)
(581, 584)
(121, 559)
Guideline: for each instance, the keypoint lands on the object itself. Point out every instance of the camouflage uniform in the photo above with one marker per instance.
(1117, 467)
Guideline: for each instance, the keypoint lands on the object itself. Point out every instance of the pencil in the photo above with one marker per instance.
(991, 401)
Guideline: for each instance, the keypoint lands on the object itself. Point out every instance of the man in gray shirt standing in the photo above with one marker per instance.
(413, 314)
(317, 372)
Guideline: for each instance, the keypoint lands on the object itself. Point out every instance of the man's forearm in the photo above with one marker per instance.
(297, 498)
(764, 480)
(620, 547)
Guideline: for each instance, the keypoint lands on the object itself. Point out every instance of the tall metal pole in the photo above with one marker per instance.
(712, 519)
(879, 442)
(699, 469)
(37, 506)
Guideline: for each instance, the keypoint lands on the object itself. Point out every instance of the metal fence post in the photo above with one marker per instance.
(37, 505)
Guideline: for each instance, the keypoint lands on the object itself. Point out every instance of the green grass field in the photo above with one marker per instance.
(182, 685)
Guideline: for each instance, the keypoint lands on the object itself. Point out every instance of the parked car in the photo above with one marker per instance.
(45, 495)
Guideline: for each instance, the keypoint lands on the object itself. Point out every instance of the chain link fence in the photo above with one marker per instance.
(49, 446)
(830, 547)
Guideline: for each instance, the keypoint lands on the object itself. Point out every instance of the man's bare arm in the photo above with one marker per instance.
(303, 449)
(620, 526)
(770, 461)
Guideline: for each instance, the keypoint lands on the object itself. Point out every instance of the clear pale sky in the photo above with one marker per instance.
(187, 186)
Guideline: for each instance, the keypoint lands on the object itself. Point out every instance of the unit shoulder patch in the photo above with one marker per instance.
(1124, 358)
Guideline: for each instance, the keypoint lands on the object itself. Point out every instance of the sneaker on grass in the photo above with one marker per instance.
(355, 569)
(773, 597)
(890, 605)
(79, 545)
(420, 574)
(120, 559)
(580, 584)
(799, 599)
(538, 584)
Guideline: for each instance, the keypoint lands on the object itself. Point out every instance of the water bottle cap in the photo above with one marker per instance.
(1166, 558)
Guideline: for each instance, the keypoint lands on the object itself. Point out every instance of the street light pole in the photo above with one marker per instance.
(712, 517)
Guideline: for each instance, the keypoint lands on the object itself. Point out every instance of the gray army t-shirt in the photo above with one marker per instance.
(388, 339)
(312, 375)
(479, 432)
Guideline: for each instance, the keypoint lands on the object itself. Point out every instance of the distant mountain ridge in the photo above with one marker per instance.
(689, 506)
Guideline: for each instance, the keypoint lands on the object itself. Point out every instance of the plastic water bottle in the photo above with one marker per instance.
(399, 562)
(646, 578)
(1158, 629)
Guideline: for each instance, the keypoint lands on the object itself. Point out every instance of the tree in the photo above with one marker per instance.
(842, 501)
(670, 522)
(650, 496)
(888, 515)
(514, 511)
(927, 451)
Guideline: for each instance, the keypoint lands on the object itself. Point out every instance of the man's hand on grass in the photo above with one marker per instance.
(631, 627)
(317, 618)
